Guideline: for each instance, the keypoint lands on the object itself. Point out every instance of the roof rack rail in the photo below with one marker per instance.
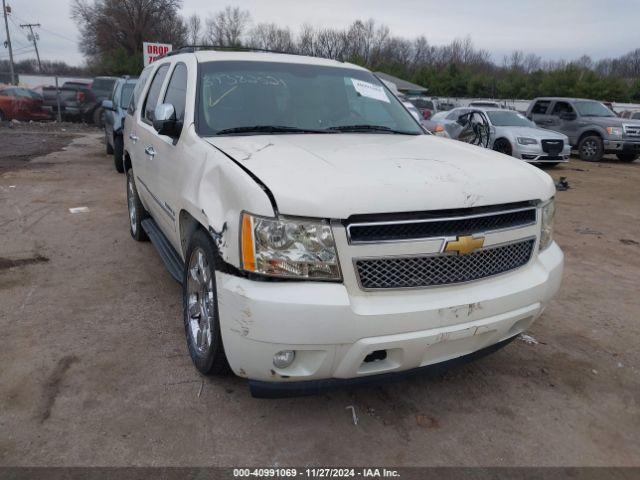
(195, 48)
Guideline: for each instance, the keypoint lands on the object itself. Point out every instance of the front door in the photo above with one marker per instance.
(165, 168)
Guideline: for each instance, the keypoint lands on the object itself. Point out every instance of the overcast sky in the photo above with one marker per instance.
(553, 29)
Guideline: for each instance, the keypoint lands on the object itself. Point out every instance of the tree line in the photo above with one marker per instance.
(112, 32)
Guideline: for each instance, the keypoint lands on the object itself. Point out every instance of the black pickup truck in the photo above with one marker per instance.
(79, 100)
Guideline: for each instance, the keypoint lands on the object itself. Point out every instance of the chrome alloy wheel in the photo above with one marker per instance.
(131, 201)
(200, 301)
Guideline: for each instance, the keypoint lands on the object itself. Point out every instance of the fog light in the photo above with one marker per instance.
(284, 358)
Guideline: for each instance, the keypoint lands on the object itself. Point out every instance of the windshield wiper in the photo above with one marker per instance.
(370, 128)
(268, 129)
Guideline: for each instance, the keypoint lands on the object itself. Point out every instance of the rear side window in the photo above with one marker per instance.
(137, 92)
(177, 90)
(541, 107)
(561, 107)
(154, 93)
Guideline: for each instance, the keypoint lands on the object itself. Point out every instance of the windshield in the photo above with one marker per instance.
(294, 97)
(509, 119)
(589, 108)
(125, 95)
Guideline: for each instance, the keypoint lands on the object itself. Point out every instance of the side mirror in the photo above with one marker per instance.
(569, 116)
(107, 104)
(164, 120)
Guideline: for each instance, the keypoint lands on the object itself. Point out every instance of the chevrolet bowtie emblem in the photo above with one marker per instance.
(464, 245)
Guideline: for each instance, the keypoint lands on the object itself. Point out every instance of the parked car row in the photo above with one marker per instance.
(80, 100)
(551, 128)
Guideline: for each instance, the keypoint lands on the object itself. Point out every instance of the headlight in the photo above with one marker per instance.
(287, 247)
(440, 131)
(614, 131)
(547, 211)
(527, 141)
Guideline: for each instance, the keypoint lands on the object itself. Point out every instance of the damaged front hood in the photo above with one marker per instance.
(338, 175)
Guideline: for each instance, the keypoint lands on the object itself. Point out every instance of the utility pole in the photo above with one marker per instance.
(34, 38)
(8, 42)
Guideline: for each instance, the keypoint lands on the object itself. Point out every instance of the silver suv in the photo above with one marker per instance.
(591, 127)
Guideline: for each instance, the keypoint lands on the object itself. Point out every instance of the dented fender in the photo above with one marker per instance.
(215, 191)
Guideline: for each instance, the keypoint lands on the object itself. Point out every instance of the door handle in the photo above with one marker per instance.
(150, 151)
(133, 137)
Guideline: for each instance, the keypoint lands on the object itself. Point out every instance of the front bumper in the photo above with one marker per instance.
(333, 330)
(622, 146)
(535, 154)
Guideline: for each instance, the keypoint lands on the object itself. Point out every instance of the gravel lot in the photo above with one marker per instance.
(94, 368)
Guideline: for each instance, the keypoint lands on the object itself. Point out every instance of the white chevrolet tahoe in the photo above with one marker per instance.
(321, 237)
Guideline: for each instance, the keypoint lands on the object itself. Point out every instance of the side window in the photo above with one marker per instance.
(154, 93)
(561, 107)
(144, 76)
(177, 90)
(541, 107)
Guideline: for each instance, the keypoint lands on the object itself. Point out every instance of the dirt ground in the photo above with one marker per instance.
(94, 368)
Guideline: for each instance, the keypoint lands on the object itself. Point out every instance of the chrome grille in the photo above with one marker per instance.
(439, 227)
(442, 269)
(552, 147)
(632, 130)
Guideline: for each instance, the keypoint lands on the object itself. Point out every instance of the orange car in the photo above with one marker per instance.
(21, 104)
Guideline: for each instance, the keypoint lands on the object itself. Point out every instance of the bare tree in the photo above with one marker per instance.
(269, 36)
(515, 61)
(110, 28)
(330, 43)
(532, 63)
(194, 29)
(306, 43)
(227, 26)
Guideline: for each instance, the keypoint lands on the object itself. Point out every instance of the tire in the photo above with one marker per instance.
(502, 145)
(137, 213)
(200, 307)
(109, 148)
(627, 157)
(2, 117)
(97, 117)
(118, 152)
(590, 148)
